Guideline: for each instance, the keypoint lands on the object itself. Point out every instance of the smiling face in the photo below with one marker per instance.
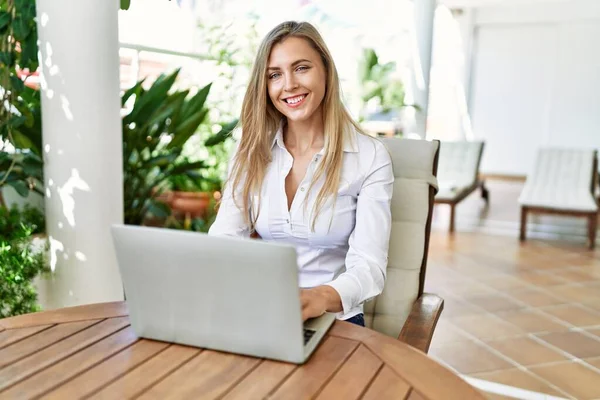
(296, 79)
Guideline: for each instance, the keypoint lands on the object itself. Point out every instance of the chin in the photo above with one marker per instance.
(299, 117)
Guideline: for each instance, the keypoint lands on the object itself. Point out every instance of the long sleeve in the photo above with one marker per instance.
(367, 257)
(230, 219)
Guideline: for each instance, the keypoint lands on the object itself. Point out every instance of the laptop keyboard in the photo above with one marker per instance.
(308, 333)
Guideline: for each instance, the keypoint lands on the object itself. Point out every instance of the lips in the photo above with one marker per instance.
(295, 101)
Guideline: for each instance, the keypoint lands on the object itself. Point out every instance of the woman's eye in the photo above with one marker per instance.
(302, 68)
(274, 75)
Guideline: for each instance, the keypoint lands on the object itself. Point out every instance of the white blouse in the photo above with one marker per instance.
(351, 255)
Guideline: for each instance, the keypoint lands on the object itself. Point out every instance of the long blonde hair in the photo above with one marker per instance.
(260, 120)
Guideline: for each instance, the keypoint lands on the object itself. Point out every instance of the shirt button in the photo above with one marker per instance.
(287, 221)
(302, 189)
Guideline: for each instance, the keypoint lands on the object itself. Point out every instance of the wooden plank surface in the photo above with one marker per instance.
(10, 336)
(206, 376)
(261, 381)
(307, 380)
(102, 374)
(103, 360)
(417, 369)
(68, 314)
(412, 365)
(64, 370)
(11, 354)
(414, 395)
(28, 366)
(353, 377)
(387, 385)
(147, 374)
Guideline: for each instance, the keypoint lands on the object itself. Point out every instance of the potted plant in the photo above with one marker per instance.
(191, 194)
(155, 130)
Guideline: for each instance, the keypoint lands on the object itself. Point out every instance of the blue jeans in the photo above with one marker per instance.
(358, 319)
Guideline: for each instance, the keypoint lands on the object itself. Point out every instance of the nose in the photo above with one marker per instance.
(290, 83)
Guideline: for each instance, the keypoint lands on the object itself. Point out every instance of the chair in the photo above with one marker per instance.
(563, 182)
(403, 310)
(458, 174)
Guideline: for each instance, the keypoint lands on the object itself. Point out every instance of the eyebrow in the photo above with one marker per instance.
(293, 64)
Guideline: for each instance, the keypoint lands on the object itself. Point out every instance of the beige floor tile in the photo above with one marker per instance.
(486, 326)
(574, 343)
(469, 357)
(520, 379)
(454, 307)
(494, 303)
(576, 293)
(594, 305)
(446, 333)
(573, 378)
(593, 361)
(539, 278)
(467, 290)
(493, 396)
(594, 331)
(574, 314)
(505, 283)
(578, 274)
(537, 273)
(531, 321)
(536, 298)
(526, 351)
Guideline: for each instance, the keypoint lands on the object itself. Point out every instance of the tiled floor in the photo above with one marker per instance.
(524, 315)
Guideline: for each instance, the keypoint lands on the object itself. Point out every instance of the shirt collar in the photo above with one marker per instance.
(278, 138)
(350, 139)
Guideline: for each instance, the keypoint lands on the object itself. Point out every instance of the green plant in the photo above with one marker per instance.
(231, 49)
(377, 82)
(194, 181)
(20, 105)
(195, 224)
(155, 130)
(19, 263)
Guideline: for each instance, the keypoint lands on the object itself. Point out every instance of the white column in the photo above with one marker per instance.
(424, 11)
(81, 126)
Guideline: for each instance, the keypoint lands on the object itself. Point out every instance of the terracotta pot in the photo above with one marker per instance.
(165, 197)
(193, 204)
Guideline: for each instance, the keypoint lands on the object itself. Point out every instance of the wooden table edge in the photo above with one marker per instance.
(415, 367)
(68, 314)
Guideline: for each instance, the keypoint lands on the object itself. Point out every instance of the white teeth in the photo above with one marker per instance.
(295, 100)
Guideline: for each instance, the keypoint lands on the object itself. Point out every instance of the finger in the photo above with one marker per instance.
(305, 314)
(304, 299)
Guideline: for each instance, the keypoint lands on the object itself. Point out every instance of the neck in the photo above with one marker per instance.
(304, 136)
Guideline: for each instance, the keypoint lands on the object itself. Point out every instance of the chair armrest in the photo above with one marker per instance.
(420, 324)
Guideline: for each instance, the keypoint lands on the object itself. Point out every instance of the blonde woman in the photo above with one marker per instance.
(305, 174)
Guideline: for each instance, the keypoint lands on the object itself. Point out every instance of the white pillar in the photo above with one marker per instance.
(81, 126)
(424, 11)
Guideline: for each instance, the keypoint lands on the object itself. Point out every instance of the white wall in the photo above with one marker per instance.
(535, 80)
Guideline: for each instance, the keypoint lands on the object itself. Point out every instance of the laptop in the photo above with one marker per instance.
(223, 293)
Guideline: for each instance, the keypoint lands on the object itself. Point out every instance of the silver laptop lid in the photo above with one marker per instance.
(229, 294)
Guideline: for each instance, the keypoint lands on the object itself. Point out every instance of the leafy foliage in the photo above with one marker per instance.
(19, 263)
(155, 130)
(20, 103)
(377, 82)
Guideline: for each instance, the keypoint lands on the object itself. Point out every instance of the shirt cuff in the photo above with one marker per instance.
(349, 290)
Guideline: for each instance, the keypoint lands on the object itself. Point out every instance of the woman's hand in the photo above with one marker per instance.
(319, 300)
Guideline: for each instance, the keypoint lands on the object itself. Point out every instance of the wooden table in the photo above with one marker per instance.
(91, 350)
